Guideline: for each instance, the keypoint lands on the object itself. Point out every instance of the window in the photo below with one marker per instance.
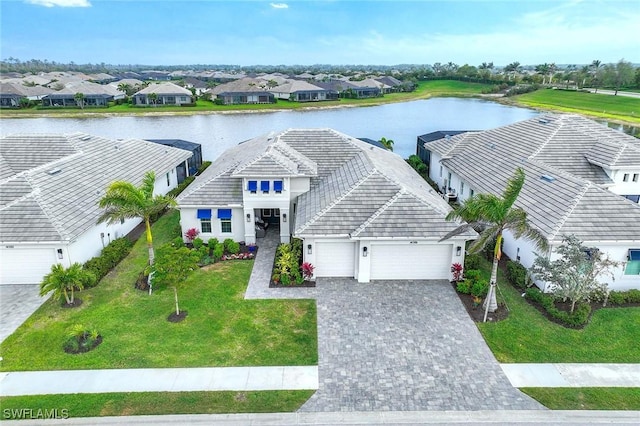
(183, 99)
(205, 220)
(225, 220)
(264, 186)
(635, 177)
(252, 186)
(625, 178)
(633, 262)
(440, 171)
(205, 226)
(168, 180)
(634, 198)
(471, 192)
(277, 186)
(461, 188)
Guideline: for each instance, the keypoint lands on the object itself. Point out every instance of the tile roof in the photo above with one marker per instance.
(556, 147)
(355, 188)
(55, 181)
(164, 89)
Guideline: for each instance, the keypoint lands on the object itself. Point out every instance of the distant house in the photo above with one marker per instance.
(50, 186)
(166, 94)
(193, 83)
(582, 178)
(10, 95)
(95, 95)
(301, 91)
(243, 91)
(361, 211)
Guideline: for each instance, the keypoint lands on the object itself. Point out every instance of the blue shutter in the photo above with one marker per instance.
(204, 213)
(224, 213)
(264, 185)
(277, 185)
(253, 185)
(634, 254)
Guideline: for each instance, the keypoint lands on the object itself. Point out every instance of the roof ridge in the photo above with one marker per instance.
(34, 194)
(579, 197)
(382, 209)
(546, 142)
(336, 201)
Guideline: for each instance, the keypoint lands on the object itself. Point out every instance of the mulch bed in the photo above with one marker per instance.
(177, 318)
(83, 347)
(76, 302)
(273, 284)
(477, 312)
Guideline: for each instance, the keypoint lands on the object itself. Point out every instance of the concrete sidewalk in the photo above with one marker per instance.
(159, 380)
(572, 375)
(482, 417)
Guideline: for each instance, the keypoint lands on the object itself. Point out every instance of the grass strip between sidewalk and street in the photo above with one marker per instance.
(586, 398)
(153, 403)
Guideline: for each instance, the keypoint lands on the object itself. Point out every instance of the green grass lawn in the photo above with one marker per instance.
(621, 108)
(526, 336)
(222, 329)
(157, 403)
(586, 398)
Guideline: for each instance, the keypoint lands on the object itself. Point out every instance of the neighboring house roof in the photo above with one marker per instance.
(371, 83)
(50, 185)
(293, 86)
(355, 189)
(87, 88)
(243, 85)
(164, 89)
(19, 89)
(559, 196)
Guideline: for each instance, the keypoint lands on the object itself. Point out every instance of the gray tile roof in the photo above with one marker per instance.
(164, 89)
(355, 189)
(552, 146)
(56, 181)
(242, 85)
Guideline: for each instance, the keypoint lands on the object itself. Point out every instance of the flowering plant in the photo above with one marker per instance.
(307, 270)
(456, 270)
(191, 234)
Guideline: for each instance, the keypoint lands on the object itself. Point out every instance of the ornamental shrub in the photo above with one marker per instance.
(198, 243)
(218, 252)
(463, 287)
(480, 288)
(110, 256)
(517, 274)
(472, 261)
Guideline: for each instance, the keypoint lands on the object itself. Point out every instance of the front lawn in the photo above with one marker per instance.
(586, 398)
(221, 329)
(612, 335)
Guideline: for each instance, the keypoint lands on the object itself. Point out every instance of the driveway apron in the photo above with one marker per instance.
(17, 303)
(403, 346)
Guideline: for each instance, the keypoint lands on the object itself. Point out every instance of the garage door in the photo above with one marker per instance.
(25, 266)
(335, 259)
(410, 261)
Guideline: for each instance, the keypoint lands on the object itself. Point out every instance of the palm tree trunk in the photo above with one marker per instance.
(66, 296)
(149, 240)
(490, 302)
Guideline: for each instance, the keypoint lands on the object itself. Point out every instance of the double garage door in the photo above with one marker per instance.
(403, 261)
(25, 265)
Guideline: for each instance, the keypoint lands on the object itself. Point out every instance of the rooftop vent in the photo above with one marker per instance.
(85, 138)
(54, 171)
(447, 137)
(547, 178)
(543, 121)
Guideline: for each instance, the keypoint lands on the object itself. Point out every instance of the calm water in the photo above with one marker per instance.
(402, 122)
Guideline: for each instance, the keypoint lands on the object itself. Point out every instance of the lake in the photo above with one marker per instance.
(401, 122)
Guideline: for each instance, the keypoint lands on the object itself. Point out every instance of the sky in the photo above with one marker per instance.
(298, 32)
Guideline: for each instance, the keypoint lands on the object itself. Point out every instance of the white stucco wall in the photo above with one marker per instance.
(189, 219)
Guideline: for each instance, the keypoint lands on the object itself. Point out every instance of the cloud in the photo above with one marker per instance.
(279, 5)
(60, 3)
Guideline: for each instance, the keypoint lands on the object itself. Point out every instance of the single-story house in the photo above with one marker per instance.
(301, 91)
(95, 95)
(166, 94)
(10, 95)
(582, 178)
(50, 186)
(360, 210)
(243, 91)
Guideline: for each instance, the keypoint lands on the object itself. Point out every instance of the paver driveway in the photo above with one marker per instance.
(17, 303)
(403, 346)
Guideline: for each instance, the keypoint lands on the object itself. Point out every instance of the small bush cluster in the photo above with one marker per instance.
(623, 297)
(80, 340)
(181, 187)
(472, 261)
(521, 89)
(473, 284)
(109, 257)
(578, 318)
(517, 274)
(286, 268)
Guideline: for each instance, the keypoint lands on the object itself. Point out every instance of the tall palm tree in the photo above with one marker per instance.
(596, 67)
(123, 200)
(490, 215)
(153, 98)
(79, 98)
(63, 282)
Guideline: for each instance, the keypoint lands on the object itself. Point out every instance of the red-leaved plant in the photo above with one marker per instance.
(191, 234)
(307, 270)
(456, 270)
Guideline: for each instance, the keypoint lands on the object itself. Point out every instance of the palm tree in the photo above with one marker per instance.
(387, 143)
(63, 282)
(123, 200)
(543, 70)
(153, 98)
(125, 88)
(79, 98)
(596, 67)
(491, 215)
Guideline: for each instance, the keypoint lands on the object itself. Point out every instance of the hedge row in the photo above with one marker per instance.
(623, 297)
(109, 257)
(576, 319)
